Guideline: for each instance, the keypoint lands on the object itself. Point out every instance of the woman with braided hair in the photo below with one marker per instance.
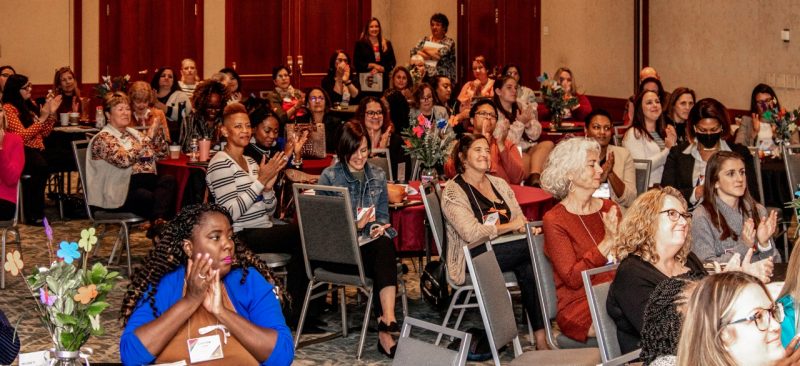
(203, 122)
(198, 282)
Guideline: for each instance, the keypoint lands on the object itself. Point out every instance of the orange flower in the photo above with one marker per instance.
(86, 294)
(407, 142)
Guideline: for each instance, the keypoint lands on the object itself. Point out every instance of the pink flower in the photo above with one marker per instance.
(418, 130)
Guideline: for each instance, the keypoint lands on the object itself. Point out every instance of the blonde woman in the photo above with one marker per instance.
(732, 320)
(145, 114)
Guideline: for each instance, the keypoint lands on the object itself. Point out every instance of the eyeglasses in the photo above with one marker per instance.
(487, 115)
(374, 113)
(430, 97)
(317, 99)
(762, 317)
(675, 215)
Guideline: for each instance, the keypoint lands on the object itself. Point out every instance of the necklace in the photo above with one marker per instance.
(587, 229)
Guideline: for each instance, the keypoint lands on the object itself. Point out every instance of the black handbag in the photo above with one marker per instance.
(433, 285)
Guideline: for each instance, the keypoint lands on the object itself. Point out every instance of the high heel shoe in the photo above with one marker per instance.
(389, 354)
(392, 327)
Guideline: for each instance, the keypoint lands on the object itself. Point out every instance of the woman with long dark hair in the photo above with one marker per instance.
(24, 119)
(174, 105)
(340, 79)
(373, 53)
(199, 275)
(649, 137)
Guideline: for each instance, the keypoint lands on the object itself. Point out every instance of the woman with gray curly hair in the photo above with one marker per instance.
(579, 231)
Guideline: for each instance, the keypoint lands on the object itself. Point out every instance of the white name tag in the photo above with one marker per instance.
(204, 348)
(491, 218)
(604, 191)
(41, 358)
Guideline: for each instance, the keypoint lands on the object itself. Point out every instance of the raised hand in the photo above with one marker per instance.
(213, 300)
(610, 223)
(198, 276)
(749, 232)
(525, 115)
(766, 227)
(607, 167)
(268, 171)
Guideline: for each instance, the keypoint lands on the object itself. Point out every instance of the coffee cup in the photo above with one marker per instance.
(74, 118)
(64, 119)
(174, 151)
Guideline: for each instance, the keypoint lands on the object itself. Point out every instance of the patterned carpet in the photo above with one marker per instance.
(17, 303)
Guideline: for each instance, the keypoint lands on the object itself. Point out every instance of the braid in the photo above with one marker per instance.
(168, 254)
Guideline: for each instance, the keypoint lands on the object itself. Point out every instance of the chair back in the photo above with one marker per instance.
(791, 159)
(382, 160)
(643, 167)
(79, 150)
(433, 211)
(604, 326)
(757, 168)
(545, 284)
(494, 300)
(327, 226)
(411, 351)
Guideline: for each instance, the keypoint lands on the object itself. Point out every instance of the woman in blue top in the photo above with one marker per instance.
(198, 282)
(366, 184)
(789, 297)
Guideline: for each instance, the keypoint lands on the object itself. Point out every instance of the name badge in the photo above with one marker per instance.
(604, 191)
(40, 358)
(204, 348)
(491, 219)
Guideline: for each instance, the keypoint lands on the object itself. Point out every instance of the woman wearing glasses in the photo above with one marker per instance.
(729, 220)
(732, 320)
(505, 159)
(424, 104)
(285, 100)
(707, 128)
(24, 118)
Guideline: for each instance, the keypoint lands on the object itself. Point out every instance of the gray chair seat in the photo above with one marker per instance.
(275, 260)
(118, 216)
(509, 277)
(322, 274)
(567, 342)
(5, 224)
(573, 357)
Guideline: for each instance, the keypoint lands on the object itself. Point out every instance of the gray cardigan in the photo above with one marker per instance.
(705, 235)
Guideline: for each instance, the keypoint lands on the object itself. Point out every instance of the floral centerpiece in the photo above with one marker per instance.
(784, 121)
(68, 298)
(555, 99)
(112, 84)
(428, 142)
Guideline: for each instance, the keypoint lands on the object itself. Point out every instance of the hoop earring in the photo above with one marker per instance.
(571, 187)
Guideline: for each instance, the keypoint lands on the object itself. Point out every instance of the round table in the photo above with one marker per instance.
(409, 220)
(181, 170)
(316, 166)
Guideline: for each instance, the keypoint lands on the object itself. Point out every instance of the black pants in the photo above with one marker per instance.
(282, 239)
(33, 188)
(380, 265)
(7, 210)
(515, 257)
(150, 196)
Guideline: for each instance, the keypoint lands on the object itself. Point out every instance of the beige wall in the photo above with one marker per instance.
(406, 21)
(35, 37)
(213, 36)
(596, 42)
(725, 48)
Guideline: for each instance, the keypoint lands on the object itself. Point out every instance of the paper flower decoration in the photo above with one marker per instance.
(47, 229)
(88, 239)
(86, 294)
(441, 124)
(46, 297)
(13, 263)
(68, 251)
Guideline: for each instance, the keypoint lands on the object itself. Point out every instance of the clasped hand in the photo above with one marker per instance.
(203, 284)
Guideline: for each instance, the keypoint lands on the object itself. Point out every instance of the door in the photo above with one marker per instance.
(139, 36)
(505, 31)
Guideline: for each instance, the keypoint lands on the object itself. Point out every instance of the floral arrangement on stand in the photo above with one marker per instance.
(784, 121)
(69, 299)
(428, 142)
(112, 84)
(555, 99)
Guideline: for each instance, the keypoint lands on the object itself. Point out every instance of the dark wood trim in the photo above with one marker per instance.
(614, 106)
(645, 33)
(198, 33)
(77, 33)
(103, 49)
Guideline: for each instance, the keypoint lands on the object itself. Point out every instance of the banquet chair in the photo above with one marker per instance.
(546, 286)
(100, 217)
(328, 234)
(759, 180)
(497, 313)
(411, 351)
(382, 160)
(604, 326)
(10, 227)
(643, 168)
(433, 212)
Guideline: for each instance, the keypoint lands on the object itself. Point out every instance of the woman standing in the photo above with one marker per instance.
(438, 50)
(755, 130)
(354, 172)
(579, 230)
(374, 54)
(649, 138)
(22, 119)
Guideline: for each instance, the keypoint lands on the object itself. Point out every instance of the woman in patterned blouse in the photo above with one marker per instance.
(21, 114)
(121, 166)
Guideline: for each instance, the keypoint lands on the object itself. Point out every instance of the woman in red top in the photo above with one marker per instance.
(575, 230)
(12, 159)
(564, 77)
(22, 119)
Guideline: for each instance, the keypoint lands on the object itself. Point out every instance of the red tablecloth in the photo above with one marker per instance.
(316, 166)
(180, 169)
(408, 221)
(571, 129)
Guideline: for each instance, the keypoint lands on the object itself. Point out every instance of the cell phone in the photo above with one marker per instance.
(390, 232)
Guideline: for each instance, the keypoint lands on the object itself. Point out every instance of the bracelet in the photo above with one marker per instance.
(347, 82)
(297, 163)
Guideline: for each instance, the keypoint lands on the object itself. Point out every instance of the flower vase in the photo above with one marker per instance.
(428, 174)
(69, 358)
(555, 124)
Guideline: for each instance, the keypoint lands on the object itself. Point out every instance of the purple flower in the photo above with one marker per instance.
(47, 229)
(47, 298)
(68, 251)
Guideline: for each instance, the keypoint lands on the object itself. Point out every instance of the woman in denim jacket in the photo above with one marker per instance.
(366, 184)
